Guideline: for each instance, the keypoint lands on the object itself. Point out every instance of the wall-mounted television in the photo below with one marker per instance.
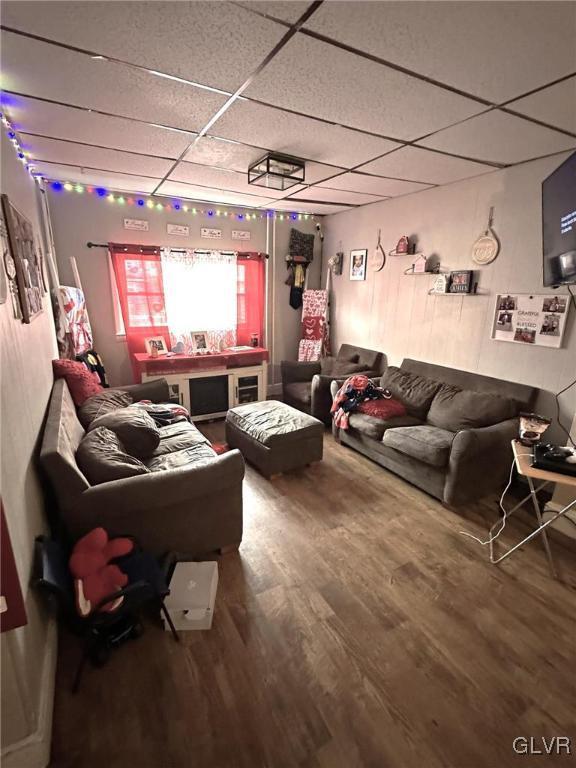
(559, 224)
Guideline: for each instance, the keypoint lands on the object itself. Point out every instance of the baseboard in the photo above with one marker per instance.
(34, 750)
(274, 390)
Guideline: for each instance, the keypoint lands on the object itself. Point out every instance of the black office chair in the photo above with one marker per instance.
(101, 631)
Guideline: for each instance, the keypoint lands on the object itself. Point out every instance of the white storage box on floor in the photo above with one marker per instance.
(192, 595)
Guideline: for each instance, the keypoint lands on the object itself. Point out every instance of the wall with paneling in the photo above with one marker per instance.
(79, 218)
(395, 313)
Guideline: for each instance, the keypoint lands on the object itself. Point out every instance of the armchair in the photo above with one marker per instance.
(306, 386)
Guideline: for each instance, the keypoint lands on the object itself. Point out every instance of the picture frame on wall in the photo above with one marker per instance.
(358, 262)
(26, 261)
(156, 345)
(537, 319)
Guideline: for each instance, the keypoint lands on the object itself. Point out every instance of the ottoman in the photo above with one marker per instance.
(274, 436)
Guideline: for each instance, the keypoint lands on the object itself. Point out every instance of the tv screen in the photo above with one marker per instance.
(559, 224)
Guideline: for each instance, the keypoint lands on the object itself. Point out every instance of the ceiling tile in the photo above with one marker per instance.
(374, 185)
(193, 192)
(222, 179)
(555, 105)
(318, 79)
(315, 172)
(38, 69)
(335, 196)
(322, 209)
(223, 154)
(94, 157)
(289, 11)
(39, 117)
(500, 138)
(496, 51)
(217, 44)
(300, 136)
(414, 164)
(121, 182)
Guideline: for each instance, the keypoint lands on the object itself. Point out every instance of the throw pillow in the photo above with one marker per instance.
(416, 392)
(455, 409)
(134, 428)
(384, 409)
(103, 402)
(102, 458)
(81, 382)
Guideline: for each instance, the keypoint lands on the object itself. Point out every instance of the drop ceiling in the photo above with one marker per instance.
(381, 99)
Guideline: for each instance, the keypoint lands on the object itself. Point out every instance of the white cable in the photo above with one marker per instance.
(505, 514)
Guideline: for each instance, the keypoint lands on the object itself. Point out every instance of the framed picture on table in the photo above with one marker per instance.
(156, 345)
(199, 342)
(358, 261)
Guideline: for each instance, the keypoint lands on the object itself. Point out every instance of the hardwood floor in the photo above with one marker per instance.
(354, 628)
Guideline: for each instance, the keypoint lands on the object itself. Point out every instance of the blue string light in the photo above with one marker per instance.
(57, 186)
(210, 212)
(140, 202)
(177, 206)
(101, 192)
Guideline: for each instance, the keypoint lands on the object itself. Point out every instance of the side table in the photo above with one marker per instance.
(523, 459)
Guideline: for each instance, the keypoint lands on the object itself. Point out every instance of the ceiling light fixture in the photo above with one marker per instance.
(276, 171)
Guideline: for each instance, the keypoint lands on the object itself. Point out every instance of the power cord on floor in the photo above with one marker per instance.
(492, 538)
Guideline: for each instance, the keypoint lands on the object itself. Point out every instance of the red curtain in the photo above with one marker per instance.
(138, 272)
(251, 297)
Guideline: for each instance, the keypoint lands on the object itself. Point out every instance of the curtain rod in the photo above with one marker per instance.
(248, 254)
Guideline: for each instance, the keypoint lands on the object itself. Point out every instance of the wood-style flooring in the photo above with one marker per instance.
(355, 628)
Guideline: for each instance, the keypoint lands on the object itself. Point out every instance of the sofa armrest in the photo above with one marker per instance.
(293, 372)
(480, 461)
(156, 390)
(159, 490)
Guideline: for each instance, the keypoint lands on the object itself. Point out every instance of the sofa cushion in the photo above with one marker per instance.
(455, 409)
(135, 428)
(374, 428)
(82, 383)
(103, 402)
(416, 392)
(273, 423)
(333, 366)
(179, 437)
(102, 458)
(428, 444)
(300, 391)
(197, 455)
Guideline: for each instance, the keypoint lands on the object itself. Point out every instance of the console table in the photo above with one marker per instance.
(208, 385)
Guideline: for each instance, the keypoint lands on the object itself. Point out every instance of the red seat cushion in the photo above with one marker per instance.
(81, 382)
(382, 409)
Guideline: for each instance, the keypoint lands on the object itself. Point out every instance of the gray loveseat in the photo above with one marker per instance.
(189, 500)
(306, 386)
(454, 442)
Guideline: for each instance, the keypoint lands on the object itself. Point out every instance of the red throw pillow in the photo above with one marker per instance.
(81, 382)
(382, 409)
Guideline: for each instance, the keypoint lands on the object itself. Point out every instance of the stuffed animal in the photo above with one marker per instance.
(94, 576)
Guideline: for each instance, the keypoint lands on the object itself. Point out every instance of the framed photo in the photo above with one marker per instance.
(358, 261)
(26, 259)
(461, 281)
(530, 319)
(158, 343)
(199, 341)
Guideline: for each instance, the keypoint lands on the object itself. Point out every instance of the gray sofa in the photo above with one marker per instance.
(306, 386)
(189, 501)
(454, 442)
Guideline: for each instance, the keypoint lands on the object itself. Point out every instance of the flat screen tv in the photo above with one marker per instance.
(559, 224)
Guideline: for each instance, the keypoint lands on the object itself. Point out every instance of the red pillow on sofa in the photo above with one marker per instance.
(81, 382)
(384, 409)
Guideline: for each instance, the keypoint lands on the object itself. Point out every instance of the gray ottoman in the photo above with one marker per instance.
(274, 436)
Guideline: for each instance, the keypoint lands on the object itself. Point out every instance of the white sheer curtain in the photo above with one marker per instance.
(200, 291)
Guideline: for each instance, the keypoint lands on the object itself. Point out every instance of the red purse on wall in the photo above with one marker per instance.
(13, 611)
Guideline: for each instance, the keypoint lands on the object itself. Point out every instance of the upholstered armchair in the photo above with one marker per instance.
(306, 386)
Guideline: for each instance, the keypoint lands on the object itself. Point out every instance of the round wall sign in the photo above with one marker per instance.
(486, 248)
(377, 259)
